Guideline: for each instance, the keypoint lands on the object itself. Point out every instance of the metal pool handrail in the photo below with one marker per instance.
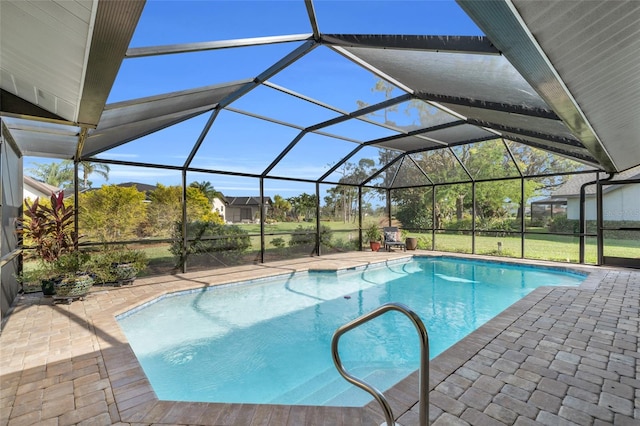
(423, 403)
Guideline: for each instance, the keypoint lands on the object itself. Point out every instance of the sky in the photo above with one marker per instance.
(245, 144)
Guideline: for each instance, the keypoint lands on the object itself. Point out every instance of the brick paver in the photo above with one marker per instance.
(560, 356)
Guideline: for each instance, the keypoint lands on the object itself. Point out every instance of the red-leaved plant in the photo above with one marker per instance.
(50, 228)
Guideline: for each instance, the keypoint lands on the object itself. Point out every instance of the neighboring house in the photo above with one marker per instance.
(33, 188)
(620, 202)
(245, 209)
(219, 205)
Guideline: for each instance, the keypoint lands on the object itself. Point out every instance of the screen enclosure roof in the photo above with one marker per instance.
(81, 80)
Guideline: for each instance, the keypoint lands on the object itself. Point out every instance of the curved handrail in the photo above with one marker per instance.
(423, 403)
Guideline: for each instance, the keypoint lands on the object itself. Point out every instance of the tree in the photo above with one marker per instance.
(88, 168)
(111, 213)
(536, 162)
(207, 189)
(56, 174)
(483, 161)
(279, 208)
(303, 205)
(414, 207)
(386, 88)
(165, 208)
(342, 200)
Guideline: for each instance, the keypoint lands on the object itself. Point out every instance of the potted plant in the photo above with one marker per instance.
(119, 265)
(50, 230)
(38, 275)
(74, 278)
(373, 234)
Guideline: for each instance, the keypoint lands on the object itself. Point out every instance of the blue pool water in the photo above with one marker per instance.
(268, 341)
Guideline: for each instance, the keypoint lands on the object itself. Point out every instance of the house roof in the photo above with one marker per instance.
(39, 186)
(571, 188)
(550, 201)
(246, 201)
(142, 187)
(222, 199)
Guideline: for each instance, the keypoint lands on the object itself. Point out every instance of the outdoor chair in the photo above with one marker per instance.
(392, 238)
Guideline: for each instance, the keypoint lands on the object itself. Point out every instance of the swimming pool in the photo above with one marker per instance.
(268, 341)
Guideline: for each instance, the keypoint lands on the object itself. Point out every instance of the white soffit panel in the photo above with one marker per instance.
(509, 31)
(44, 48)
(595, 48)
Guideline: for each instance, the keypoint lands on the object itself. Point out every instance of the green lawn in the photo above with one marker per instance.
(545, 247)
(561, 248)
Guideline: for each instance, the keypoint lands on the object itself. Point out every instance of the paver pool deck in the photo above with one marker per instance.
(560, 356)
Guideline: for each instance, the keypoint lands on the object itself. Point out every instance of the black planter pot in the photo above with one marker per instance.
(48, 287)
(125, 273)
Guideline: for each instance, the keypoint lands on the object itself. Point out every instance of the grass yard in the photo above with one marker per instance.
(544, 247)
(562, 248)
(283, 231)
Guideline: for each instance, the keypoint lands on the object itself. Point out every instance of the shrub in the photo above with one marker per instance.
(103, 264)
(497, 224)
(536, 222)
(344, 245)
(302, 236)
(307, 236)
(69, 264)
(278, 242)
(464, 224)
(424, 243)
(112, 213)
(227, 241)
(165, 208)
(628, 234)
(564, 225)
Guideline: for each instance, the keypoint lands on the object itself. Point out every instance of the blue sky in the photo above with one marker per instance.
(239, 143)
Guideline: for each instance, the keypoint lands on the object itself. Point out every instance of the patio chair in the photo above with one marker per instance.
(392, 238)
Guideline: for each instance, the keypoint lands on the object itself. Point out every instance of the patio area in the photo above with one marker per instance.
(559, 356)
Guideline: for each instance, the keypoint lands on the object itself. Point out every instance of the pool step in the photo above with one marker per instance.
(381, 378)
(295, 395)
(329, 388)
